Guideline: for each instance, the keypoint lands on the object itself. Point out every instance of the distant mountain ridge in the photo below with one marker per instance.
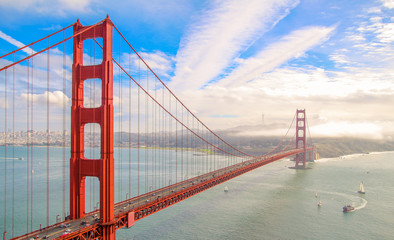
(326, 147)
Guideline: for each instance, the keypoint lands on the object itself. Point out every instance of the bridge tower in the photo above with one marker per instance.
(81, 167)
(300, 138)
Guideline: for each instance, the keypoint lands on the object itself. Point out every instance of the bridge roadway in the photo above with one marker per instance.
(134, 209)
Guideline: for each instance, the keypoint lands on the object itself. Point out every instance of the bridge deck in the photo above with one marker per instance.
(134, 209)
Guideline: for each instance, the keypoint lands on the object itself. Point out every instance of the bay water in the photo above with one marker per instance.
(272, 202)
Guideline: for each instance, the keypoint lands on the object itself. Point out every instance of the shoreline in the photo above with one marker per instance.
(350, 156)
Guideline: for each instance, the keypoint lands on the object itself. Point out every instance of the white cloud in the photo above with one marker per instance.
(223, 33)
(55, 98)
(48, 7)
(369, 42)
(388, 3)
(159, 62)
(291, 46)
(333, 96)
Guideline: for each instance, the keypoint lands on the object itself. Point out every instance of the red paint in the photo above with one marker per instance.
(80, 167)
(300, 138)
(130, 219)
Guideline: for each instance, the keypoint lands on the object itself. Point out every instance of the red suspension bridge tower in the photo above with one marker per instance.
(81, 167)
(300, 138)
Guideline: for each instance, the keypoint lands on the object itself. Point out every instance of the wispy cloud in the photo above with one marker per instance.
(53, 27)
(223, 32)
(367, 43)
(16, 43)
(291, 46)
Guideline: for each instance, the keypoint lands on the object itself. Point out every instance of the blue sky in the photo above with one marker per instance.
(251, 58)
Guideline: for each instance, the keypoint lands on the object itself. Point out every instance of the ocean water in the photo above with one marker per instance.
(272, 202)
(275, 202)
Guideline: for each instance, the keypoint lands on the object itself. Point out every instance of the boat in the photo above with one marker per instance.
(319, 203)
(362, 190)
(348, 208)
(225, 189)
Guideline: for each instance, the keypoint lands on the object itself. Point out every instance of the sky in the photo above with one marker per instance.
(248, 65)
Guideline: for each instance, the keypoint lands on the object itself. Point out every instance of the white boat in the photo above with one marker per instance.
(225, 189)
(319, 203)
(362, 190)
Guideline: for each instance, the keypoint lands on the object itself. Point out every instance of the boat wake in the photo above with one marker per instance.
(363, 204)
(356, 201)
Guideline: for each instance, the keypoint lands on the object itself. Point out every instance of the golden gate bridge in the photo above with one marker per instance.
(164, 153)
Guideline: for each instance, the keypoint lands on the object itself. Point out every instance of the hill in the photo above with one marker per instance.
(326, 147)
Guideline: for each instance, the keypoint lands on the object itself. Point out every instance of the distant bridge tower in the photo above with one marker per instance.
(300, 139)
(81, 167)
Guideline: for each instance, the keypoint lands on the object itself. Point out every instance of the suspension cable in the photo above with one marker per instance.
(291, 124)
(19, 49)
(177, 97)
(49, 47)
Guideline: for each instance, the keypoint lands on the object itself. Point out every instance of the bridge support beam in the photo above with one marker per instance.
(80, 167)
(300, 139)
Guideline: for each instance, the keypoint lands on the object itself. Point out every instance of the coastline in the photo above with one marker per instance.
(350, 156)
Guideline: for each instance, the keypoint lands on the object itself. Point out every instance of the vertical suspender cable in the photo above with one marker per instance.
(155, 132)
(32, 145)
(164, 144)
(161, 153)
(169, 140)
(194, 149)
(120, 129)
(146, 134)
(129, 125)
(5, 153)
(138, 123)
(152, 141)
(152, 152)
(176, 143)
(13, 146)
(27, 145)
(159, 135)
(182, 146)
(64, 129)
(187, 145)
(48, 133)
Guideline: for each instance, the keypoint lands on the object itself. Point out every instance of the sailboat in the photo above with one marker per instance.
(362, 190)
(225, 189)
